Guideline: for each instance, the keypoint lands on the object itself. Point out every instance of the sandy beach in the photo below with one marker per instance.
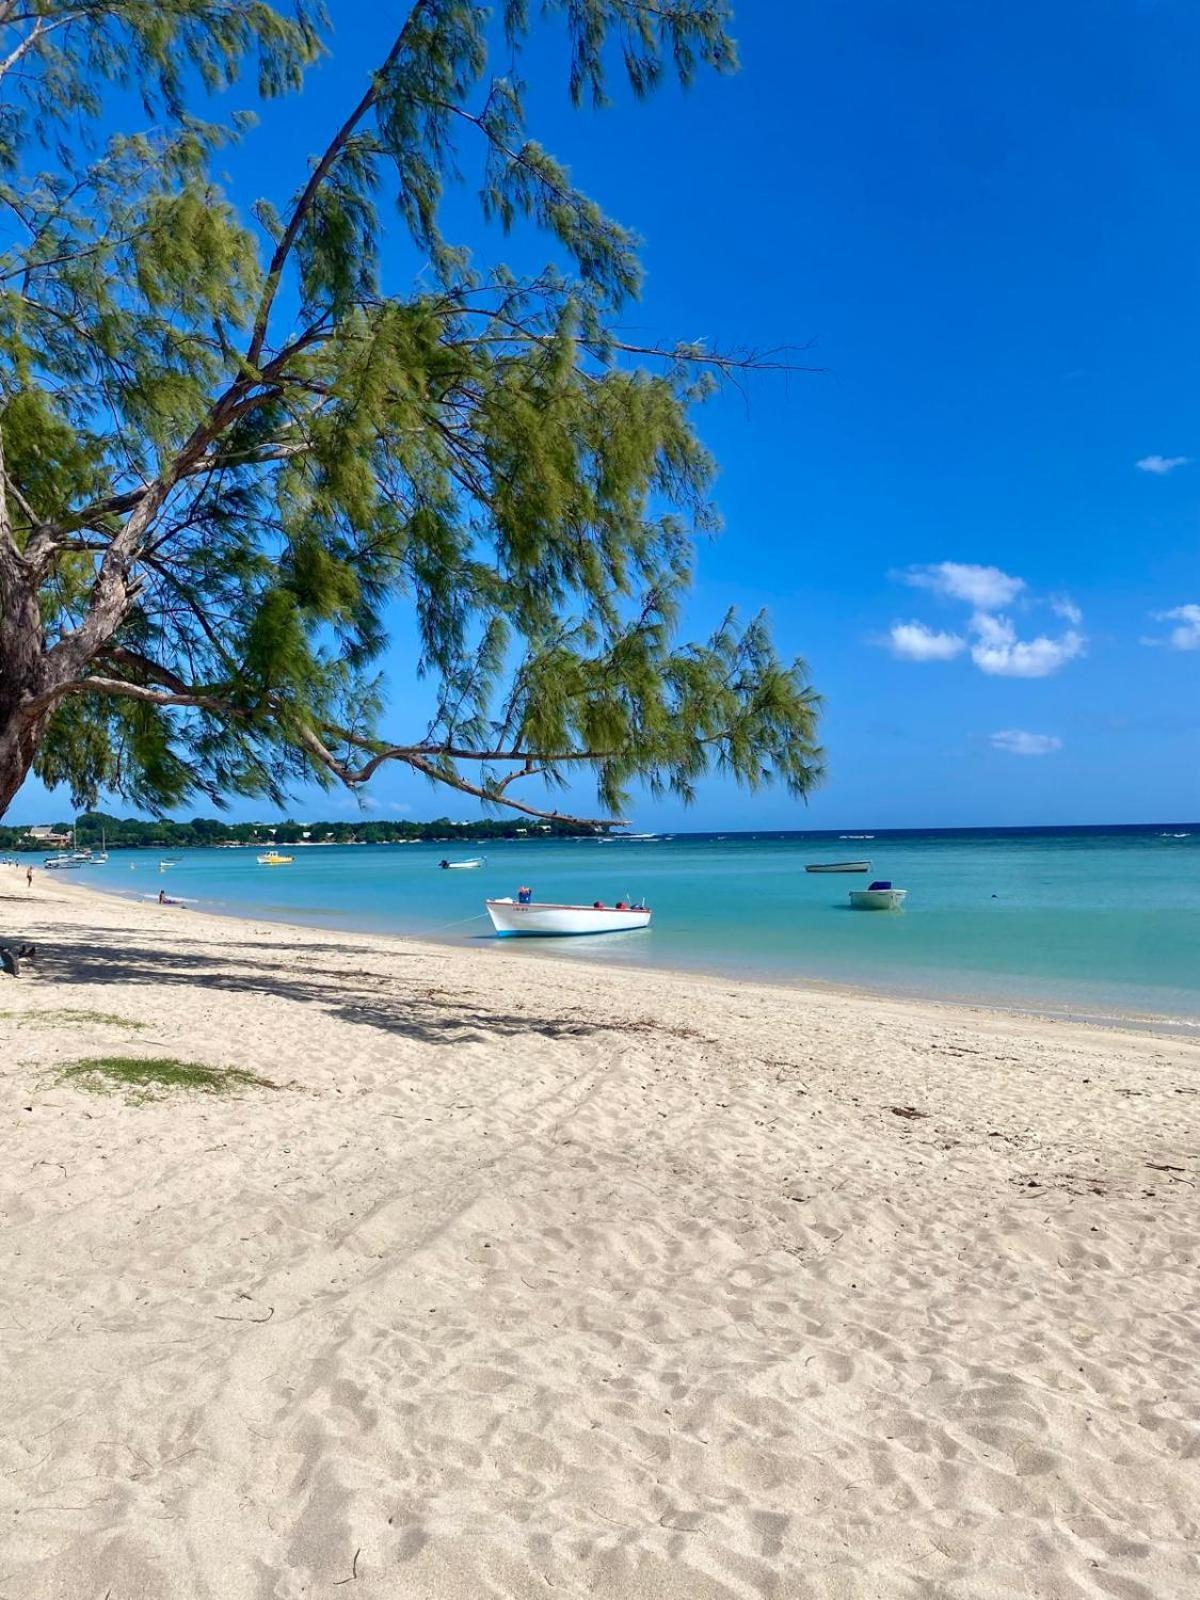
(530, 1278)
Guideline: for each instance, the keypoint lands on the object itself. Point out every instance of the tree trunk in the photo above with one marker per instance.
(19, 737)
(22, 671)
(23, 666)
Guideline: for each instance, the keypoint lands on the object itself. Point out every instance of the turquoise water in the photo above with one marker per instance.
(1105, 922)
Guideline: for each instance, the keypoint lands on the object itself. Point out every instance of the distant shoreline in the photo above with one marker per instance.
(14, 840)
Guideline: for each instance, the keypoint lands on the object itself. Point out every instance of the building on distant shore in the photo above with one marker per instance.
(46, 835)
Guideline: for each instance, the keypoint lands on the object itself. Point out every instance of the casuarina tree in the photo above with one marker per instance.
(234, 442)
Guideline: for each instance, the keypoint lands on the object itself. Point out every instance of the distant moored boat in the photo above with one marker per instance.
(878, 896)
(839, 866)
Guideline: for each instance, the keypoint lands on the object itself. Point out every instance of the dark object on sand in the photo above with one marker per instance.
(10, 960)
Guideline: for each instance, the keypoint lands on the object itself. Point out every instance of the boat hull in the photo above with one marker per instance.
(877, 899)
(511, 919)
(839, 866)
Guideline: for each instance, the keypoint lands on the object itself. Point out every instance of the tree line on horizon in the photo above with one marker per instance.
(120, 833)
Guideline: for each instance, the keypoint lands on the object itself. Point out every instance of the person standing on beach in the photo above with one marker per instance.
(29, 877)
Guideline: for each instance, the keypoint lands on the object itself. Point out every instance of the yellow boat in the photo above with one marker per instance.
(273, 859)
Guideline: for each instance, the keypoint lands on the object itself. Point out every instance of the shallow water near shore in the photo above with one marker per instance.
(1103, 921)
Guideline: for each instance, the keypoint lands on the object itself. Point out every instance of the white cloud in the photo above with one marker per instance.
(913, 641)
(1017, 742)
(985, 588)
(998, 652)
(991, 636)
(1187, 635)
(1161, 465)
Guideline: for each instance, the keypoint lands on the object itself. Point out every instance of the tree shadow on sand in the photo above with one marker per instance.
(410, 1008)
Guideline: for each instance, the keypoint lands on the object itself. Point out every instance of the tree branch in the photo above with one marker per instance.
(128, 690)
(490, 797)
(354, 779)
(309, 193)
(175, 693)
(14, 564)
(40, 27)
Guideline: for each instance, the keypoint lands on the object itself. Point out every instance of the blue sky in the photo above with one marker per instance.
(982, 222)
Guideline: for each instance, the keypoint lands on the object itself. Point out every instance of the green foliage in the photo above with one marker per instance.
(223, 497)
(56, 464)
(66, 52)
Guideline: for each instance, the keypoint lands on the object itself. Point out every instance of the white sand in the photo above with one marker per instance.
(539, 1279)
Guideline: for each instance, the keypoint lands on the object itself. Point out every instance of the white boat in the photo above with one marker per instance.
(461, 866)
(76, 857)
(81, 856)
(529, 918)
(839, 866)
(878, 897)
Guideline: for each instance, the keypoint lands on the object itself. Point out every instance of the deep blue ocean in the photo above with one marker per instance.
(1104, 921)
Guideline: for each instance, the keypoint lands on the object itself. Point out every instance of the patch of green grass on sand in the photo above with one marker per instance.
(141, 1078)
(51, 1019)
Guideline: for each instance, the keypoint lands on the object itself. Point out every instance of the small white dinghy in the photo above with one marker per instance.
(878, 896)
(529, 918)
(461, 866)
